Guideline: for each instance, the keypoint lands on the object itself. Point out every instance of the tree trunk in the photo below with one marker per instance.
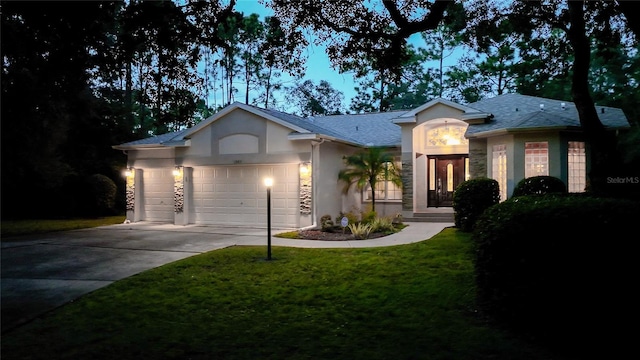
(604, 159)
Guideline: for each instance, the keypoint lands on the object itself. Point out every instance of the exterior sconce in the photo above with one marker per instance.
(177, 171)
(304, 169)
(128, 172)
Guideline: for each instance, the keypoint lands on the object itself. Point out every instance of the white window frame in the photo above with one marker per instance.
(576, 166)
(536, 159)
(499, 168)
(384, 187)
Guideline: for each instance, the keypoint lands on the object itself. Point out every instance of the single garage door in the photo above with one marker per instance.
(236, 195)
(157, 194)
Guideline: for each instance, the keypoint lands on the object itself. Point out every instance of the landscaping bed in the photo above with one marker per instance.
(333, 236)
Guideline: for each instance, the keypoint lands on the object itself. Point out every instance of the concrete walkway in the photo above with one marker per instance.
(43, 272)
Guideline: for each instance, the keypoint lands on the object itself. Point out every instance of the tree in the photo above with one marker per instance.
(367, 168)
(380, 91)
(159, 55)
(281, 53)
(52, 123)
(355, 31)
(604, 21)
(251, 36)
(310, 99)
(441, 43)
(207, 15)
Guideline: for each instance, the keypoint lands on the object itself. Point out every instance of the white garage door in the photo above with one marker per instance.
(157, 194)
(236, 195)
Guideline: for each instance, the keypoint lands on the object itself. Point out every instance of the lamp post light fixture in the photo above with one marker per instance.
(268, 182)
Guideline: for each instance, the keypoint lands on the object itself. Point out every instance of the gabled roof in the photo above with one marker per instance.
(373, 129)
(468, 112)
(513, 112)
(503, 113)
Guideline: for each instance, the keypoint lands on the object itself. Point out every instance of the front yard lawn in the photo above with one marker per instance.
(25, 227)
(401, 302)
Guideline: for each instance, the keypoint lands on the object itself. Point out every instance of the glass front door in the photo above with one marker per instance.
(445, 174)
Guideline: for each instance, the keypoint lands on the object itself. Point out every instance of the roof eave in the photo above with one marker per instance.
(252, 110)
(315, 136)
(498, 132)
(158, 146)
(476, 118)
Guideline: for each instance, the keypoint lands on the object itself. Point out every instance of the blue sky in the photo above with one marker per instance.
(318, 64)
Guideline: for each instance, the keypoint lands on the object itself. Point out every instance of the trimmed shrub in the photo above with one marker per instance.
(471, 199)
(539, 185)
(557, 264)
(103, 194)
(326, 223)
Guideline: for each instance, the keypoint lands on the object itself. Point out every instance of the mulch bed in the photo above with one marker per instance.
(332, 236)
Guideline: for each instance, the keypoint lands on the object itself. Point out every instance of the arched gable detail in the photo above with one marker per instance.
(239, 144)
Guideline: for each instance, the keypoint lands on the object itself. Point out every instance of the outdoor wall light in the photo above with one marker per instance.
(177, 170)
(304, 169)
(128, 172)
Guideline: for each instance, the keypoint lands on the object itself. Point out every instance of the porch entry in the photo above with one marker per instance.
(445, 173)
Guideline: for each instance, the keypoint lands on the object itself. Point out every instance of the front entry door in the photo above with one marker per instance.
(445, 174)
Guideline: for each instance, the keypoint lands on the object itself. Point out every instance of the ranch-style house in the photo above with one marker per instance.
(212, 173)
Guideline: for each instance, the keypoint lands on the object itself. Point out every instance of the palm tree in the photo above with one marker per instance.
(367, 167)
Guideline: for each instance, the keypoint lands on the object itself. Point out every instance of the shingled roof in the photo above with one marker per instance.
(364, 130)
(372, 129)
(517, 112)
(509, 112)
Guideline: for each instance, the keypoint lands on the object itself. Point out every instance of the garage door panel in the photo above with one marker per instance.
(237, 195)
(157, 195)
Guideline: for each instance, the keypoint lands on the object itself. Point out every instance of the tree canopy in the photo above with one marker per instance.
(78, 77)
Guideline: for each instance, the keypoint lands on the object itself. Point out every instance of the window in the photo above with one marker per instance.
(385, 188)
(447, 135)
(499, 169)
(536, 159)
(577, 166)
(432, 174)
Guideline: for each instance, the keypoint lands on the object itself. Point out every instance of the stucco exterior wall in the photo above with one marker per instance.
(152, 158)
(438, 111)
(273, 147)
(329, 197)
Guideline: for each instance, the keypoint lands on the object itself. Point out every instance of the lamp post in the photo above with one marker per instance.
(268, 182)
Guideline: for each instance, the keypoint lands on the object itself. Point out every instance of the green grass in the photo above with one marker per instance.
(25, 227)
(403, 302)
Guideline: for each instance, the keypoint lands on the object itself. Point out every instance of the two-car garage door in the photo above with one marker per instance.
(236, 195)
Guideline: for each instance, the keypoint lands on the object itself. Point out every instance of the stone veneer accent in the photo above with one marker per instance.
(305, 191)
(178, 193)
(477, 162)
(407, 185)
(130, 191)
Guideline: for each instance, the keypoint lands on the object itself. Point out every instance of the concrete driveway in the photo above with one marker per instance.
(43, 272)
